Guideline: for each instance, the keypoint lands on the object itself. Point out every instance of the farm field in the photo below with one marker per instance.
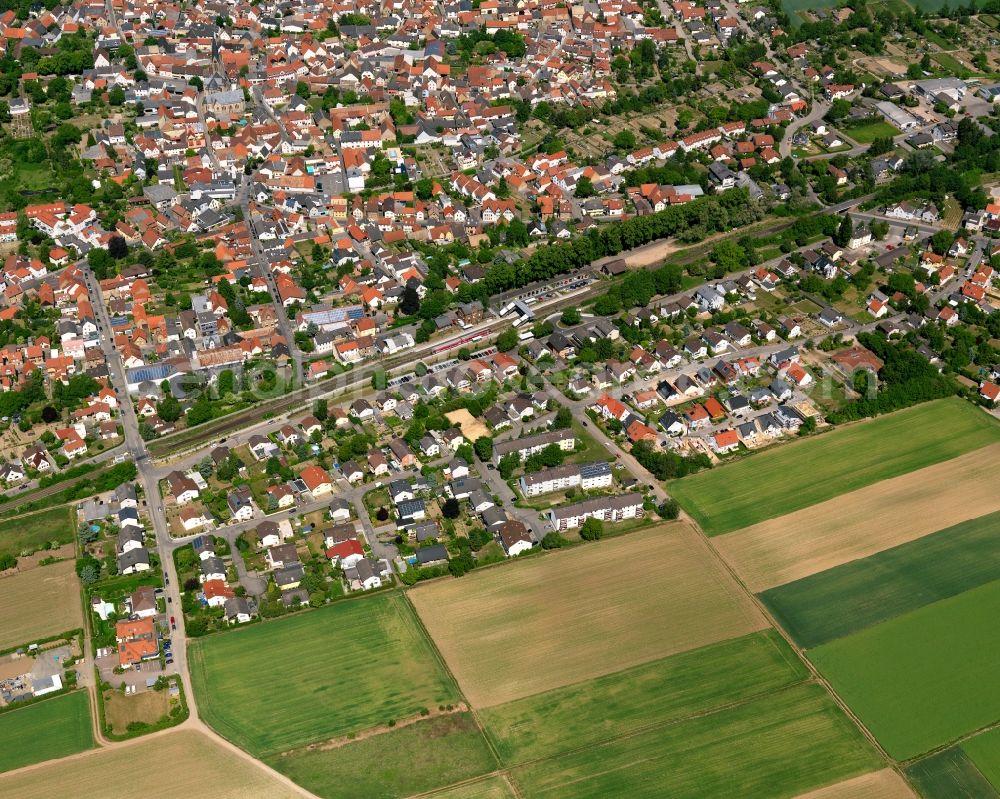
(950, 775)
(862, 593)
(180, 763)
(782, 745)
(792, 476)
(925, 678)
(38, 603)
(864, 522)
(32, 531)
(884, 784)
(984, 751)
(373, 645)
(46, 730)
(655, 693)
(420, 757)
(562, 619)
(489, 788)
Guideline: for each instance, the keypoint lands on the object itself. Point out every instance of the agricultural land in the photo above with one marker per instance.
(45, 730)
(39, 602)
(778, 481)
(863, 522)
(178, 763)
(551, 622)
(336, 686)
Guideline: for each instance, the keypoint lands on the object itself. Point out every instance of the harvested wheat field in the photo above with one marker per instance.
(865, 521)
(580, 613)
(885, 784)
(38, 603)
(180, 763)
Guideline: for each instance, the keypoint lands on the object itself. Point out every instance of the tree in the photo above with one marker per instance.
(669, 509)
(592, 529)
(116, 96)
(571, 316)
(484, 448)
(460, 564)
(844, 231)
(507, 340)
(8, 561)
(625, 140)
(584, 188)
(169, 408)
(450, 509)
(321, 409)
(941, 241)
(117, 248)
(409, 304)
(507, 464)
(302, 90)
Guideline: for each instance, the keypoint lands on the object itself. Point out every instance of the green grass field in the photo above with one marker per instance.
(318, 675)
(792, 476)
(862, 593)
(867, 133)
(949, 775)
(923, 679)
(782, 745)
(52, 728)
(984, 751)
(655, 693)
(31, 532)
(426, 755)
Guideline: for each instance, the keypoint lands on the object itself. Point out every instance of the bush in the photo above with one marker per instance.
(592, 529)
(553, 541)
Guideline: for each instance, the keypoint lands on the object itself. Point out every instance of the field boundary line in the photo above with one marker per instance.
(474, 712)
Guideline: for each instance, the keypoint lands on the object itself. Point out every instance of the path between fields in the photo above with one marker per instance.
(343, 740)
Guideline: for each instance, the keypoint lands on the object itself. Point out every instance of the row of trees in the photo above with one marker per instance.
(689, 222)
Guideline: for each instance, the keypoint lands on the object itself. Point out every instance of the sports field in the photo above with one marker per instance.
(868, 132)
(921, 680)
(789, 477)
(582, 613)
(864, 522)
(420, 757)
(665, 690)
(984, 751)
(950, 774)
(862, 593)
(318, 675)
(782, 745)
(40, 602)
(49, 729)
(32, 531)
(884, 784)
(179, 763)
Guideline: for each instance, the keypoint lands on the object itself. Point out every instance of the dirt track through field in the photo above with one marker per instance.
(863, 522)
(885, 784)
(577, 614)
